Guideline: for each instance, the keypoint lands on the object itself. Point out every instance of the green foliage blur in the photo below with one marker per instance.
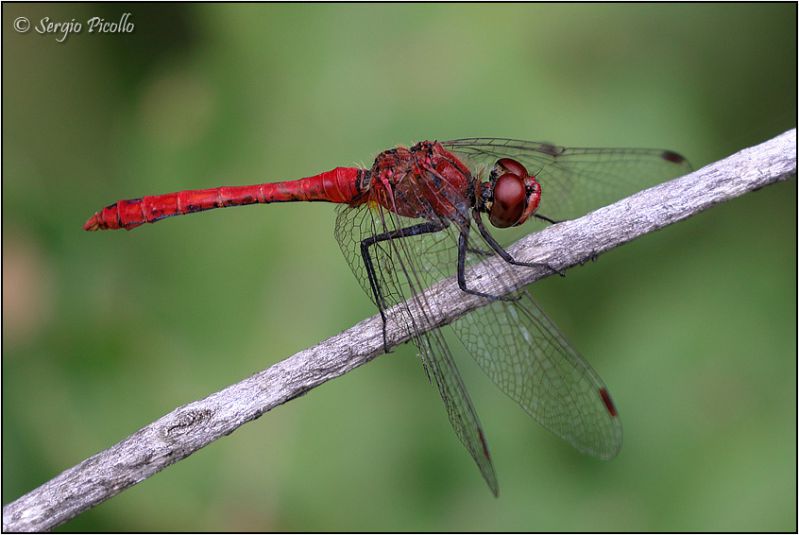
(693, 328)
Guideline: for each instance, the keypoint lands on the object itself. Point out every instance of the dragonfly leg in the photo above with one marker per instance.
(545, 218)
(505, 254)
(463, 247)
(414, 230)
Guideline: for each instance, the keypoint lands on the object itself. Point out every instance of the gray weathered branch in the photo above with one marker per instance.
(191, 427)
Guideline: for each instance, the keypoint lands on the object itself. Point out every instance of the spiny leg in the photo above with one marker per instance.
(506, 256)
(414, 230)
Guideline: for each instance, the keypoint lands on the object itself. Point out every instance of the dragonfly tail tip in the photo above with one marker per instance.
(92, 224)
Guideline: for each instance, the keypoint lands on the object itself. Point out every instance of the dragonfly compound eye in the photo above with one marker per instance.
(510, 199)
(509, 165)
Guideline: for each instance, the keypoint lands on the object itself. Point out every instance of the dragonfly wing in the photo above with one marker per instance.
(521, 349)
(401, 280)
(441, 367)
(525, 354)
(574, 181)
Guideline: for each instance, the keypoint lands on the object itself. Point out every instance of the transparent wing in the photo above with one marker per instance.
(525, 354)
(439, 365)
(574, 181)
(400, 280)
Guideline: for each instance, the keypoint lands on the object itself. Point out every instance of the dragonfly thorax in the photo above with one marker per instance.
(424, 181)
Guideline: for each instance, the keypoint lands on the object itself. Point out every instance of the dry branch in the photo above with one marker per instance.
(190, 427)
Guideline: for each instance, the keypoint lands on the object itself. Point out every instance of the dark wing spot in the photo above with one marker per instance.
(548, 148)
(671, 156)
(485, 445)
(603, 393)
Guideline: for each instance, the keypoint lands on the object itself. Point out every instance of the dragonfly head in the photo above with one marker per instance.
(511, 195)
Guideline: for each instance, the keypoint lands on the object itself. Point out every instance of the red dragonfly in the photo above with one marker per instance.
(415, 218)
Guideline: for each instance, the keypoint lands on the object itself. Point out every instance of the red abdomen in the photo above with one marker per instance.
(341, 185)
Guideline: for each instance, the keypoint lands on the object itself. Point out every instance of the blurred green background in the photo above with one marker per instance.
(693, 328)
